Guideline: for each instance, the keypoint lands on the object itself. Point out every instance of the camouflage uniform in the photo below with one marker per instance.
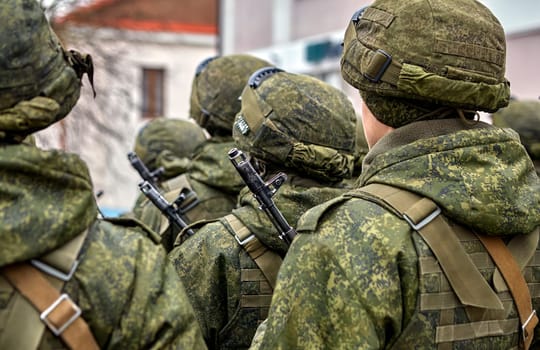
(167, 144)
(358, 276)
(228, 289)
(127, 290)
(524, 117)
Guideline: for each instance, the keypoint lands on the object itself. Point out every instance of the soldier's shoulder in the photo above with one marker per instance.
(131, 224)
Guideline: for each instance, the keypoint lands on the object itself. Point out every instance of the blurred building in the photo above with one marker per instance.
(145, 54)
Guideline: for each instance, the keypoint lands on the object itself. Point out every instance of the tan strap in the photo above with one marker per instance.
(516, 284)
(267, 260)
(59, 312)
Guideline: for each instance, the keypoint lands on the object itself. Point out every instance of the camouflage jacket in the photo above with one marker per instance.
(353, 279)
(129, 293)
(212, 263)
(211, 176)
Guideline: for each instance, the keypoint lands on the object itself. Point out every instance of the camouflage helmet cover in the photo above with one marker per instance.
(38, 86)
(524, 117)
(449, 53)
(179, 137)
(216, 87)
(299, 122)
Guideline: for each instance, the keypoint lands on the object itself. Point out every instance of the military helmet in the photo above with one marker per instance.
(445, 53)
(38, 85)
(177, 136)
(299, 122)
(216, 87)
(524, 117)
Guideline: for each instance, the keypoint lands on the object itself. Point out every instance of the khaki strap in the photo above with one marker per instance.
(423, 216)
(267, 260)
(61, 315)
(516, 284)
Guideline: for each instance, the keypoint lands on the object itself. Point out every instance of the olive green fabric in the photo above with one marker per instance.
(160, 137)
(38, 86)
(127, 290)
(210, 262)
(298, 122)
(524, 117)
(442, 53)
(216, 88)
(351, 279)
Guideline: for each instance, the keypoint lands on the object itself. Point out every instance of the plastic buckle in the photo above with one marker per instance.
(424, 222)
(248, 238)
(523, 330)
(47, 312)
(382, 68)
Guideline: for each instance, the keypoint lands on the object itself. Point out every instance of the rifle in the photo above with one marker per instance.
(147, 175)
(263, 192)
(171, 211)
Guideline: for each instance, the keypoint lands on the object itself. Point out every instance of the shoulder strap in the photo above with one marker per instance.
(267, 260)
(422, 214)
(58, 312)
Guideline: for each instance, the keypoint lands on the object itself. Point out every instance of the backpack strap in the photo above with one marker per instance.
(57, 311)
(423, 215)
(267, 260)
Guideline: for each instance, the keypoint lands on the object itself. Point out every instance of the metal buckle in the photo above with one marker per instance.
(49, 270)
(45, 314)
(424, 222)
(248, 238)
(523, 331)
(382, 68)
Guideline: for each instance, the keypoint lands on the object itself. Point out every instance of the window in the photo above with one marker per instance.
(152, 90)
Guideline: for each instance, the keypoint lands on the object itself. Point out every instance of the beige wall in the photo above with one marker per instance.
(522, 67)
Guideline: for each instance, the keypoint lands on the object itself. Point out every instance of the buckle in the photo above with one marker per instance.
(51, 271)
(248, 238)
(380, 66)
(523, 330)
(424, 222)
(45, 314)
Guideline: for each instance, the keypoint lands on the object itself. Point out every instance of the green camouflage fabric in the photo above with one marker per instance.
(361, 149)
(457, 57)
(38, 84)
(215, 90)
(127, 290)
(350, 280)
(299, 122)
(524, 117)
(162, 138)
(209, 263)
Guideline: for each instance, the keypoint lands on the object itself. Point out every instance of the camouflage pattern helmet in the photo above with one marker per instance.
(524, 117)
(215, 90)
(177, 136)
(446, 53)
(298, 122)
(38, 85)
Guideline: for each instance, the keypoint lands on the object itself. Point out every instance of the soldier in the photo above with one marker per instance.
(291, 123)
(407, 260)
(216, 87)
(167, 144)
(524, 117)
(68, 279)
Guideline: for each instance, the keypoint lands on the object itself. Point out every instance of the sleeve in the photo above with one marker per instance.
(205, 265)
(133, 297)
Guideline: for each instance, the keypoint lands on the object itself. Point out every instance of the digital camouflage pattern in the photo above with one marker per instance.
(126, 288)
(216, 87)
(298, 122)
(457, 57)
(210, 262)
(361, 149)
(350, 280)
(524, 117)
(39, 87)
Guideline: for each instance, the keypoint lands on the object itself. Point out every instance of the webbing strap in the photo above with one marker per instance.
(466, 281)
(516, 284)
(267, 260)
(61, 315)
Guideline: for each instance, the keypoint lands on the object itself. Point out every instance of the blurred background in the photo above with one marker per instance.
(145, 53)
